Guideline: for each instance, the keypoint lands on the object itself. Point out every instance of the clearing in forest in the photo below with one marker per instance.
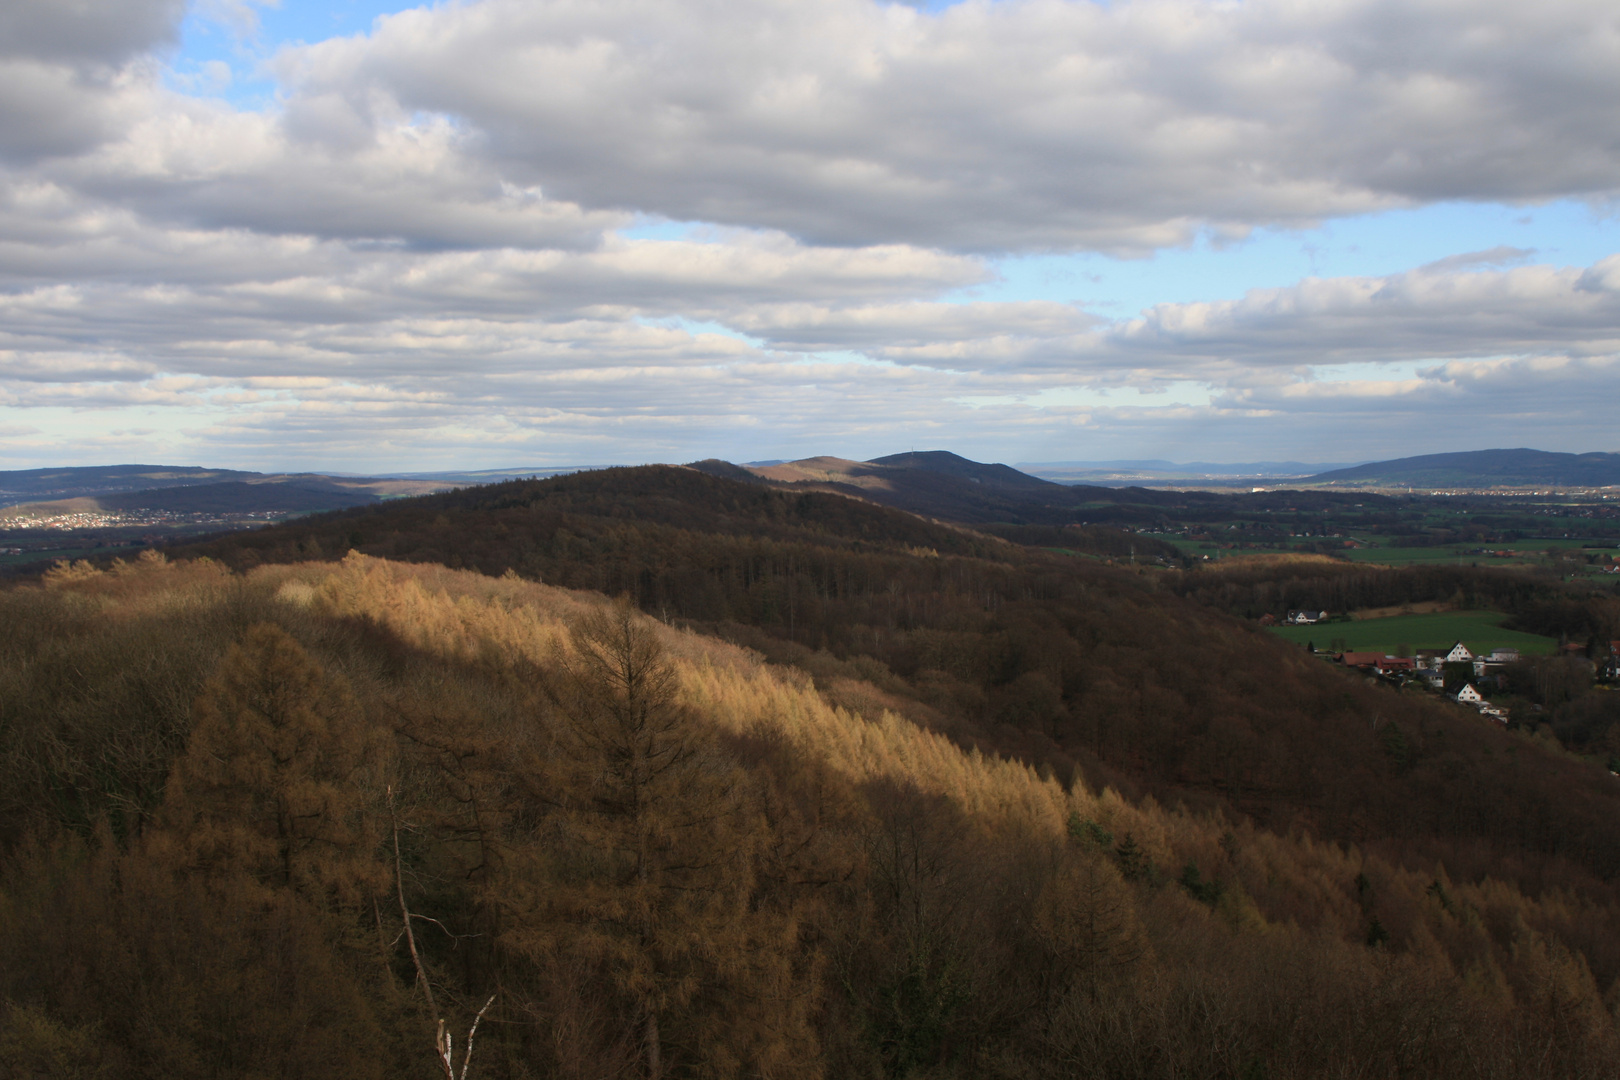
(1481, 631)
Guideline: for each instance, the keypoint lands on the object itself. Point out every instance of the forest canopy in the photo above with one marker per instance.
(353, 818)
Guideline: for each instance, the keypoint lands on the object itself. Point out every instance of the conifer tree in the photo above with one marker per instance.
(656, 871)
(1086, 918)
(278, 775)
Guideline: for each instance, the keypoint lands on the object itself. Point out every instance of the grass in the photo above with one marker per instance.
(1527, 553)
(50, 554)
(1479, 630)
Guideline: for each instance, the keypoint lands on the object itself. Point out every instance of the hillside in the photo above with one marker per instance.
(205, 494)
(298, 819)
(1095, 672)
(1481, 469)
(940, 485)
(949, 464)
(47, 485)
(948, 487)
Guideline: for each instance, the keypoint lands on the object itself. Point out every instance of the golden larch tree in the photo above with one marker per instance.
(279, 775)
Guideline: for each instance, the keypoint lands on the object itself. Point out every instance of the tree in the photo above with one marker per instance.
(1133, 863)
(1086, 919)
(653, 872)
(279, 774)
(444, 1046)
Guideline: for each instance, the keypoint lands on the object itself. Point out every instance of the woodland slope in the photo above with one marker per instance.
(297, 820)
(1093, 672)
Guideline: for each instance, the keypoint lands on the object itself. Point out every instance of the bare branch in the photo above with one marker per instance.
(405, 912)
(466, 1057)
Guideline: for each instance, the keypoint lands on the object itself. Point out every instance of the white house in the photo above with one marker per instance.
(1458, 654)
(1469, 696)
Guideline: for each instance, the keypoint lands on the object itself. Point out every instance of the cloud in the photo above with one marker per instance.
(427, 249)
(985, 127)
(79, 32)
(329, 354)
(1416, 315)
(1500, 255)
(1024, 124)
(67, 69)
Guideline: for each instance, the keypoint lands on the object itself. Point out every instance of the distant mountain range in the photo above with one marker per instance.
(935, 483)
(188, 490)
(1159, 473)
(945, 486)
(1481, 469)
(34, 485)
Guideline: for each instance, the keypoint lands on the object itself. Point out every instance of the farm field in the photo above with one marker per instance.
(1479, 630)
(1572, 553)
(33, 556)
(1530, 552)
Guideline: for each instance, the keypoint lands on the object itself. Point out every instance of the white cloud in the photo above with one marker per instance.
(362, 359)
(81, 32)
(67, 68)
(424, 249)
(1029, 124)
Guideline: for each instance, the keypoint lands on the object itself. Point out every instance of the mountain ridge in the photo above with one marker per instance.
(1518, 467)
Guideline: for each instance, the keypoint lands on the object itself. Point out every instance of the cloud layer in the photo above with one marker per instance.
(1041, 124)
(435, 247)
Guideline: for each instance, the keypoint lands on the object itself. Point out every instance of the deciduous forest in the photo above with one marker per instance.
(647, 773)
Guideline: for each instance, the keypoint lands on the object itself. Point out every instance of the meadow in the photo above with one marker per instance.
(1479, 630)
(1571, 554)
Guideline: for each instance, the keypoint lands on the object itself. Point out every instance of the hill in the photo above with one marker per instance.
(949, 464)
(292, 494)
(948, 487)
(1481, 469)
(1095, 672)
(321, 815)
(937, 484)
(203, 493)
(47, 485)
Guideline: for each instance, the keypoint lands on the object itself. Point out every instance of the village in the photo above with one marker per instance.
(1470, 679)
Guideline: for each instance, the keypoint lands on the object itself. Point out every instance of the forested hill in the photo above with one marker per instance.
(942, 461)
(935, 484)
(180, 490)
(1089, 670)
(377, 821)
(1482, 469)
(38, 485)
(942, 485)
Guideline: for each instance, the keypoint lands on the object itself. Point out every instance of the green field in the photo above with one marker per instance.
(1529, 553)
(1374, 550)
(43, 557)
(1479, 630)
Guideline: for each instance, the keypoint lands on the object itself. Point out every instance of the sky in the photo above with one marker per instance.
(361, 236)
